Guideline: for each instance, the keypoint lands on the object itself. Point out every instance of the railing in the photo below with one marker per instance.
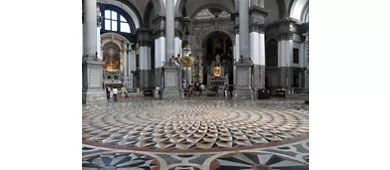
(299, 90)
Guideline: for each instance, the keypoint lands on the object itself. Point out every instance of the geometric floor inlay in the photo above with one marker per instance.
(257, 161)
(193, 125)
(118, 161)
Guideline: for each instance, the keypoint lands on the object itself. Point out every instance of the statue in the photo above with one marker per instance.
(218, 59)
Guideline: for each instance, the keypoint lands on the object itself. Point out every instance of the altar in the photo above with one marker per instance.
(217, 73)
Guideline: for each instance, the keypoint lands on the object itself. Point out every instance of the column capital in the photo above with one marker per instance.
(256, 19)
(236, 20)
(283, 29)
(98, 14)
(179, 24)
(159, 26)
(144, 36)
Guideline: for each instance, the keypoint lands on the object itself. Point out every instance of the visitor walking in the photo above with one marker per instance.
(115, 94)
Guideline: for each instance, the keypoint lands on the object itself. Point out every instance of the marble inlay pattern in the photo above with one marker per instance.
(192, 125)
(196, 134)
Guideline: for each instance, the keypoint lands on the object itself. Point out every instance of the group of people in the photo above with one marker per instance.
(113, 92)
(227, 89)
(196, 89)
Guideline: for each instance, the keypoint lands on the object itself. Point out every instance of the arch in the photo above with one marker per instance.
(305, 14)
(282, 8)
(147, 15)
(114, 36)
(297, 9)
(220, 6)
(159, 6)
(271, 52)
(180, 4)
(210, 32)
(129, 8)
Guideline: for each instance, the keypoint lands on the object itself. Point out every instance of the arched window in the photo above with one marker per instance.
(116, 20)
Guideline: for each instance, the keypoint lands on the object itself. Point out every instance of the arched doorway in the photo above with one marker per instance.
(216, 44)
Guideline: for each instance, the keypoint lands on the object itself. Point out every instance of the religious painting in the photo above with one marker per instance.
(111, 57)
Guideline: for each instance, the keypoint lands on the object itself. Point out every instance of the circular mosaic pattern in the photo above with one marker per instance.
(192, 125)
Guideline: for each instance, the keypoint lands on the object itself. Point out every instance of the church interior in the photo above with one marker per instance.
(138, 45)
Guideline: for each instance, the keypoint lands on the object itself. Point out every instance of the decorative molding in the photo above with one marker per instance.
(283, 29)
(256, 27)
(178, 33)
(91, 58)
(159, 26)
(256, 19)
(98, 15)
(144, 36)
(159, 33)
(236, 20)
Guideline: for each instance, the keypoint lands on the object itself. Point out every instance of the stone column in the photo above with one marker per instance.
(236, 43)
(171, 70)
(98, 37)
(285, 35)
(257, 45)
(244, 65)
(92, 66)
(306, 61)
(128, 81)
(145, 65)
(159, 45)
(132, 63)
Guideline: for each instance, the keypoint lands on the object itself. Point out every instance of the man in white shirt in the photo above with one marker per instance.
(157, 92)
(115, 93)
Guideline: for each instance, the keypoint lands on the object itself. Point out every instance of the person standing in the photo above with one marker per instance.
(157, 92)
(115, 94)
(108, 92)
(216, 91)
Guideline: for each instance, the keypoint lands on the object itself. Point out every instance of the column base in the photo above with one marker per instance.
(243, 81)
(243, 93)
(258, 78)
(128, 83)
(93, 96)
(146, 79)
(171, 89)
(93, 91)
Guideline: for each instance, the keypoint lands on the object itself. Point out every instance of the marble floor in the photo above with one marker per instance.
(196, 134)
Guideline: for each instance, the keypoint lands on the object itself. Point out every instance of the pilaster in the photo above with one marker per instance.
(284, 31)
(159, 45)
(144, 37)
(257, 45)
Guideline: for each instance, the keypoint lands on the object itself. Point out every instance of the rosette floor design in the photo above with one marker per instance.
(148, 133)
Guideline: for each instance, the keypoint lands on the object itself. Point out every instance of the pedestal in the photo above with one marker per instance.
(93, 91)
(128, 82)
(171, 82)
(243, 81)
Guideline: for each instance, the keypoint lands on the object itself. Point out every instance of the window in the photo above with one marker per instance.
(296, 56)
(115, 22)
